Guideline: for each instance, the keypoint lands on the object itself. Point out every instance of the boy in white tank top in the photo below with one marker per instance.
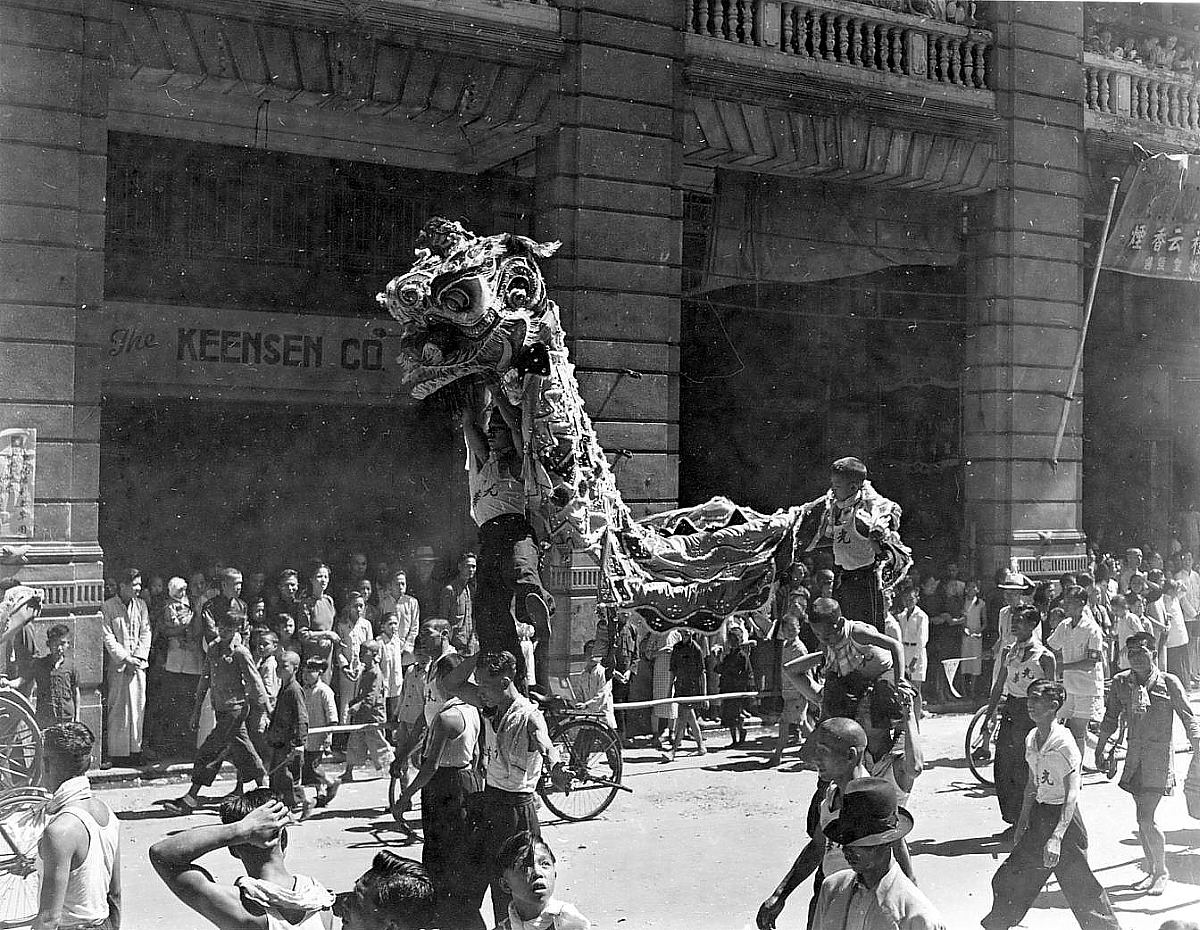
(80, 850)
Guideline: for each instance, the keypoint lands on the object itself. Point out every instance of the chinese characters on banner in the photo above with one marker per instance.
(18, 452)
(1157, 233)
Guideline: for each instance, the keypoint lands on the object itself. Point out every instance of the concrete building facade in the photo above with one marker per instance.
(790, 231)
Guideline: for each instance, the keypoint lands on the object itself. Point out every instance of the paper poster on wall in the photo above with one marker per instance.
(18, 454)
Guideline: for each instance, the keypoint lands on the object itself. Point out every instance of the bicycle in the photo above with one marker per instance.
(979, 745)
(590, 751)
(22, 809)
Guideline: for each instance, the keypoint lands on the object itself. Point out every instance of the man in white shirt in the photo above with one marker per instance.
(1132, 565)
(914, 636)
(1050, 834)
(126, 630)
(1188, 580)
(1080, 643)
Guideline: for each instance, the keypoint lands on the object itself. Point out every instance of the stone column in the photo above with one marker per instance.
(1028, 308)
(54, 72)
(607, 187)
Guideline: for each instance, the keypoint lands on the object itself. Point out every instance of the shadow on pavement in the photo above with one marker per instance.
(756, 765)
(965, 846)
(337, 813)
(1183, 837)
(384, 835)
(969, 789)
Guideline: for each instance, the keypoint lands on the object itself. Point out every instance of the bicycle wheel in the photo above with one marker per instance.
(980, 747)
(591, 754)
(20, 742)
(22, 821)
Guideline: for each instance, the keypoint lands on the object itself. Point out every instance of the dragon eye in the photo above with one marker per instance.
(519, 292)
(410, 295)
(455, 300)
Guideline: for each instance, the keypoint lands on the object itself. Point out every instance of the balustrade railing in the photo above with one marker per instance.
(849, 34)
(1126, 89)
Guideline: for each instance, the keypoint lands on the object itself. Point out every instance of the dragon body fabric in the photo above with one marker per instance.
(475, 312)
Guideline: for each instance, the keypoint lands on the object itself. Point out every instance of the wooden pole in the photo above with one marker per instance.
(1069, 398)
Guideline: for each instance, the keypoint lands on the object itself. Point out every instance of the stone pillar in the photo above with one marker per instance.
(607, 187)
(54, 70)
(1028, 308)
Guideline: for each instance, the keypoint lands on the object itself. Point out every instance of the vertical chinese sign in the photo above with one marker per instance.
(18, 453)
(1157, 233)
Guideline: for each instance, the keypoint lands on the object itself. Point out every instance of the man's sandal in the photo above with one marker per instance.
(184, 805)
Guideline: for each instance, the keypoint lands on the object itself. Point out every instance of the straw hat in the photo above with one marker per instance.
(1014, 581)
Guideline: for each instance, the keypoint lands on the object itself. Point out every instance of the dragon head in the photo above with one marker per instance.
(468, 305)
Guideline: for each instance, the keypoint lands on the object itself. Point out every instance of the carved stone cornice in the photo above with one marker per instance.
(513, 31)
(478, 90)
(849, 147)
(889, 99)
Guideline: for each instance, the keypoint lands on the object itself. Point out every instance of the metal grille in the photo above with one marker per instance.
(138, 203)
(208, 202)
(697, 220)
(1051, 565)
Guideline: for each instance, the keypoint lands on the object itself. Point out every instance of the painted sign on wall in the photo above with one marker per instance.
(18, 456)
(195, 351)
(1157, 232)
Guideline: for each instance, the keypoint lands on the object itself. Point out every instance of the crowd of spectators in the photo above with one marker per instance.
(158, 630)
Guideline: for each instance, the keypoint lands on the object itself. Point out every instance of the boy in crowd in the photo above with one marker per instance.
(391, 663)
(914, 628)
(1050, 834)
(55, 684)
(518, 752)
(254, 829)
(237, 695)
(1080, 643)
(528, 873)
(285, 737)
(1127, 610)
(797, 687)
(410, 716)
(841, 749)
(595, 687)
(861, 664)
(1024, 661)
(369, 706)
(322, 712)
(264, 646)
(688, 680)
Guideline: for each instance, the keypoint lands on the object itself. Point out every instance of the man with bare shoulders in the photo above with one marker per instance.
(80, 850)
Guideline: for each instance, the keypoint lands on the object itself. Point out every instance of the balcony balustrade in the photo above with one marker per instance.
(852, 35)
(1151, 99)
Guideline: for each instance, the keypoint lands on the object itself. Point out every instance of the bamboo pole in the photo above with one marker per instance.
(1069, 397)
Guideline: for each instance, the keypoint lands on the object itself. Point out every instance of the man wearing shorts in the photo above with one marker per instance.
(914, 633)
(1080, 643)
(797, 688)
(1149, 699)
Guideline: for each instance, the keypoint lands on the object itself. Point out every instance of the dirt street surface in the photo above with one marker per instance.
(704, 839)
